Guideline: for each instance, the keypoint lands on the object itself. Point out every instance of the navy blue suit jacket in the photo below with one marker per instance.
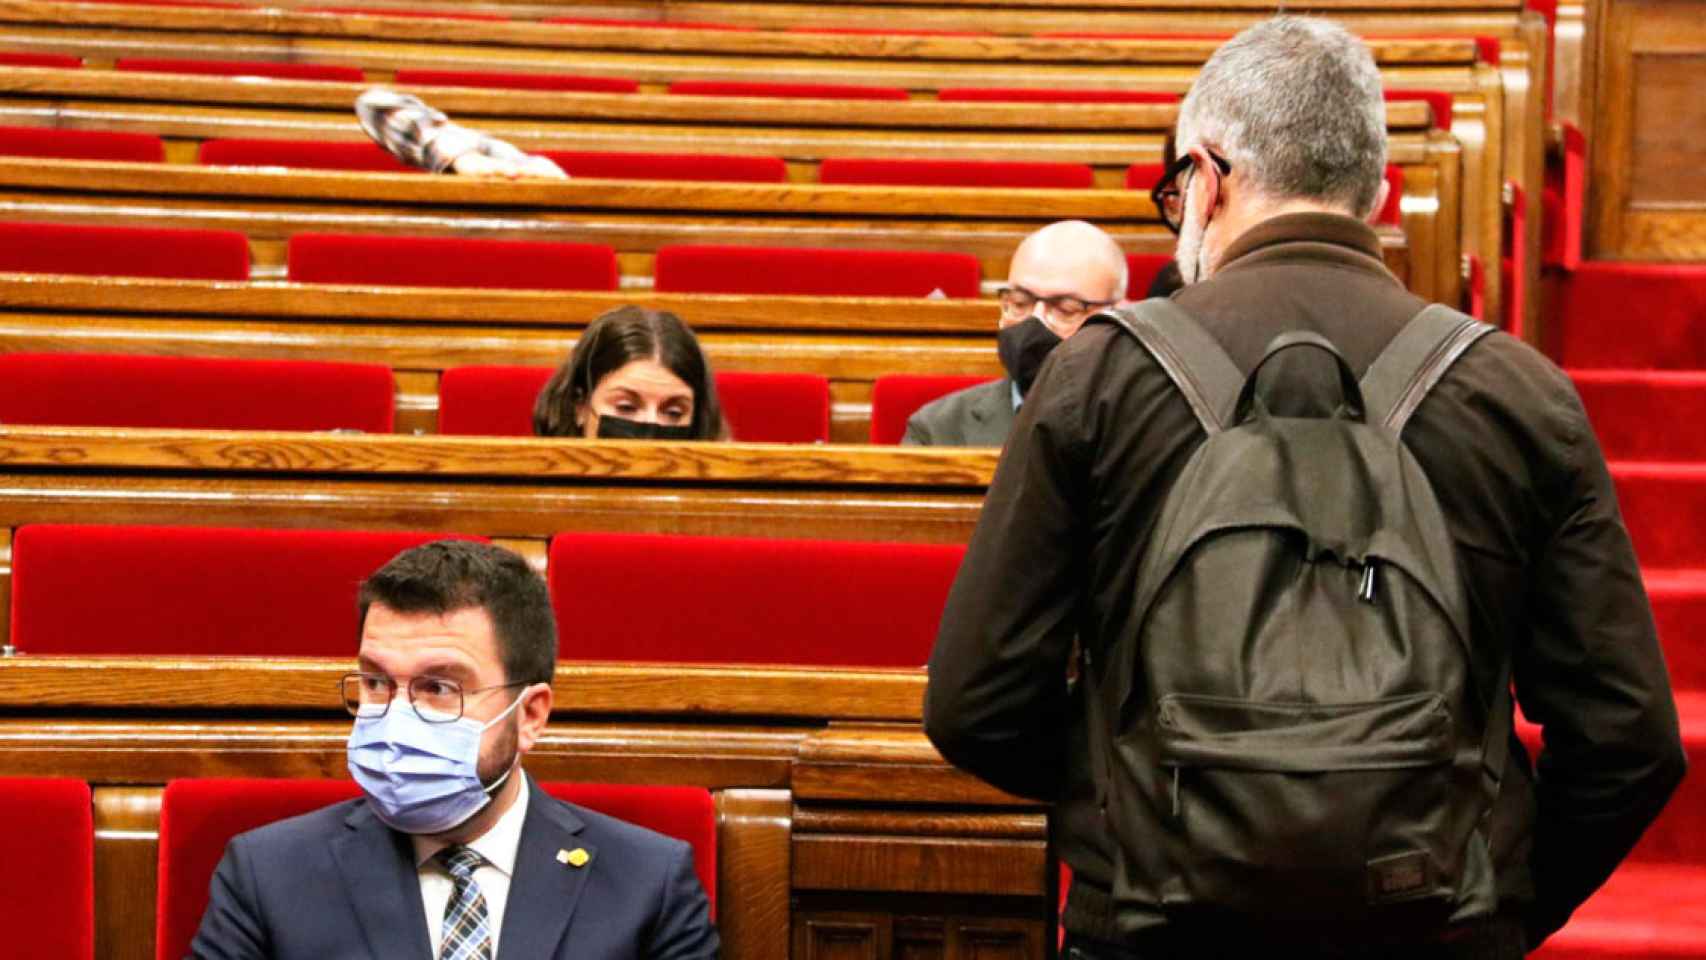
(338, 884)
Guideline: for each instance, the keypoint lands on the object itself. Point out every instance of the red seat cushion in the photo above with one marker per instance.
(1141, 269)
(58, 61)
(656, 24)
(301, 154)
(760, 407)
(789, 91)
(956, 173)
(1142, 176)
(685, 813)
(203, 4)
(775, 407)
(806, 271)
(194, 393)
(124, 251)
(1439, 100)
(1040, 95)
(245, 68)
(232, 592)
(404, 12)
(47, 897)
(880, 32)
(197, 819)
(516, 81)
(738, 600)
(670, 166)
(81, 144)
(450, 262)
(896, 397)
(1392, 213)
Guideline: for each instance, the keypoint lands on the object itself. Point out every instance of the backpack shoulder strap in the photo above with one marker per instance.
(1414, 362)
(1191, 358)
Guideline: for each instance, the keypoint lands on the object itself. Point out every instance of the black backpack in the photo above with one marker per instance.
(1296, 742)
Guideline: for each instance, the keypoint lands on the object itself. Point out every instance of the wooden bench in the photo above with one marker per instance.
(838, 824)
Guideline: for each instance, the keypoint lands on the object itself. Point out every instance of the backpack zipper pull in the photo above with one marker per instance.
(1365, 590)
(1176, 792)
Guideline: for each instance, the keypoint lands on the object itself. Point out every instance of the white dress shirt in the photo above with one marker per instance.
(498, 846)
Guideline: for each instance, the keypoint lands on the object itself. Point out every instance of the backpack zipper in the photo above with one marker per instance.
(1365, 589)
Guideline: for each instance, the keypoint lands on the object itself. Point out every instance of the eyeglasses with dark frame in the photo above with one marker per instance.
(1169, 193)
(434, 699)
(1017, 304)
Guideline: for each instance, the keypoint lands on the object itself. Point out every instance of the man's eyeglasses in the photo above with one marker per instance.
(1169, 191)
(434, 699)
(1017, 303)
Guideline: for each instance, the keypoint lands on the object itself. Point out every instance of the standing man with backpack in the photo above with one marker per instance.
(1307, 533)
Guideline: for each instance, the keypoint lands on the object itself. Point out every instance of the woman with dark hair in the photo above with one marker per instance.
(636, 374)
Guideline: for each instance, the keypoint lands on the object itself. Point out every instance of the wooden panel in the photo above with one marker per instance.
(127, 834)
(1667, 155)
(841, 936)
(753, 863)
(920, 864)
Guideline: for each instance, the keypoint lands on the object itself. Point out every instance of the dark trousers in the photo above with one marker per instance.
(1499, 938)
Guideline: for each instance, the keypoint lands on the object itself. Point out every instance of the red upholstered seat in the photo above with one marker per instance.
(670, 166)
(956, 173)
(244, 68)
(198, 818)
(450, 262)
(898, 396)
(407, 13)
(1141, 269)
(807, 271)
(194, 393)
(880, 32)
(58, 61)
(1118, 35)
(1041, 95)
(1142, 176)
(657, 24)
(735, 600)
(760, 407)
(1392, 213)
(1439, 100)
(685, 813)
(59, 144)
(516, 81)
(47, 894)
(356, 155)
(124, 251)
(236, 592)
(787, 91)
(205, 4)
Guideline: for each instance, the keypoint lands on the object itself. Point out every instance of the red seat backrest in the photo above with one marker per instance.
(59, 61)
(814, 272)
(896, 397)
(450, 262)
(1038, 95)
(1142, 176)
(406, 12)
(515, 81)
(786, 91)
(58, 144)
(670, 166)
(1392, 213)
(195, 393)
(1439, 100)
(1141, 269)
(653, 24)
(956, 173)
(678, 599)
(124, 251)
(358, 155)
(244, 68)
(760, 407)
(231, 592)
(47, 898)
(685, 813)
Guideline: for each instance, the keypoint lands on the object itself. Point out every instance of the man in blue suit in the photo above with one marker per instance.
(453, 853)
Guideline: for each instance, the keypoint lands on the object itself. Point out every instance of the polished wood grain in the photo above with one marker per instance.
(754, 863)
(127, 837)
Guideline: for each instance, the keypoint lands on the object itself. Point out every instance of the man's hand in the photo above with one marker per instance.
(476, 164)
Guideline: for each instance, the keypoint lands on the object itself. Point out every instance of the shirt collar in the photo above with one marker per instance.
(499, 844)
(1333, 229)
(1018, 397)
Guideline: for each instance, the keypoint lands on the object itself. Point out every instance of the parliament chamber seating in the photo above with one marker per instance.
(896, 397)
(670, 166)
(124, 251)
(815, 272)
(352, 259)
(560, 82)
(199, 816)
(956, 173)
(786, 91)
(194, 393)
(81, 145)
(760, 407)
(303, 154)
(748, 600)
(330, 73)
(47, 897)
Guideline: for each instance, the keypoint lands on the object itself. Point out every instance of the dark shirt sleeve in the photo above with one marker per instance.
(996, 703)
(683, 930)
(231, 928)
(1593, 676)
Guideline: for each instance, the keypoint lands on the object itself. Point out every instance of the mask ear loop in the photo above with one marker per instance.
(499, 782)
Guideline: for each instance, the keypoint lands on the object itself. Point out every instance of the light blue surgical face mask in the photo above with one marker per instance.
(422, 777)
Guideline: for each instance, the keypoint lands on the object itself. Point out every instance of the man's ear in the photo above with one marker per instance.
(1380, 197)
(535, 712)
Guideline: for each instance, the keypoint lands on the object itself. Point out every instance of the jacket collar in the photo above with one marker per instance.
(1326, 237)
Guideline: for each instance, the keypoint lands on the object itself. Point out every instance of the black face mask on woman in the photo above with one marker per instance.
(621, 428)
(1023, 347)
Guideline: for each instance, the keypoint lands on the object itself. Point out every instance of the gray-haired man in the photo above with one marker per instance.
(1281, 147)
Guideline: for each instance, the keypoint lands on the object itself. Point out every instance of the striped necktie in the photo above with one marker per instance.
(467, 933)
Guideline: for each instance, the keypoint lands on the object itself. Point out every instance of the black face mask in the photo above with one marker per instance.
(621, 428)
(1023, 347)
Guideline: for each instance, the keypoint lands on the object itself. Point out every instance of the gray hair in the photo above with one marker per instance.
(1295, 104)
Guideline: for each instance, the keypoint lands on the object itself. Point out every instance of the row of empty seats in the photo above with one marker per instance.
(47, 901)
(618, 597)
(201, 393)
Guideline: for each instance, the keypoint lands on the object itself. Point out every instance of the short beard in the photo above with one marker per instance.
(504, 748)
(1188, 252)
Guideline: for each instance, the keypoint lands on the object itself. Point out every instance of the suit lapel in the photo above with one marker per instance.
(384, 888)
(544, 891)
